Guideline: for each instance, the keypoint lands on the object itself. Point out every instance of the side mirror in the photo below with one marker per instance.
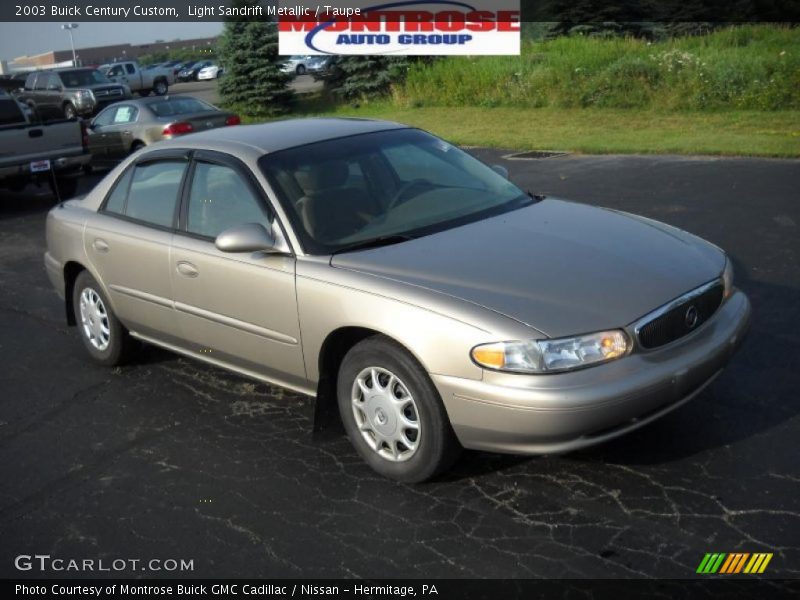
(500, 170)
(250, 237)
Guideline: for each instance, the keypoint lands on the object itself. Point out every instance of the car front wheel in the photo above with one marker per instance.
(105, 338)
(393, 414)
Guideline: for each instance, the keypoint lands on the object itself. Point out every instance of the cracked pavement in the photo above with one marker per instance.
(169, 458)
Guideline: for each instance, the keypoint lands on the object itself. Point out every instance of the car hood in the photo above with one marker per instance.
(560, 267)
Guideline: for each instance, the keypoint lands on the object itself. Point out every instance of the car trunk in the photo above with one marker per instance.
(199, 121)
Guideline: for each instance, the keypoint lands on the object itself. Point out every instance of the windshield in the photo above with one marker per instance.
(73, 79)
(179, 106)
(349, 191)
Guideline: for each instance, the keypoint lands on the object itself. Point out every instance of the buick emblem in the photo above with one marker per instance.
(691, 317)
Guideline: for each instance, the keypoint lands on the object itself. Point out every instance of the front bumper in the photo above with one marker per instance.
(548, 414)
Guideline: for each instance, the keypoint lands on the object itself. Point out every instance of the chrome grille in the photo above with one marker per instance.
(680, 317)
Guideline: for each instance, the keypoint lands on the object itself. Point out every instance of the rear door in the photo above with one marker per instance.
(238, 308)
(129, 243)
(98, 138)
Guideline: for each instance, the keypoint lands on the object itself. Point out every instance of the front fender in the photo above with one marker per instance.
(438, 330)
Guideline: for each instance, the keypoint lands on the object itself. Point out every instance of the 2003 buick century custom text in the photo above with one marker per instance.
(377, 266)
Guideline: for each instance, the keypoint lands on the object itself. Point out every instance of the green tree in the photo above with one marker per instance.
(253, 82)
(366, 77)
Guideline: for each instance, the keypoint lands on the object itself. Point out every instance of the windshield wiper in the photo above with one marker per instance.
(537, 197)
(378, 242)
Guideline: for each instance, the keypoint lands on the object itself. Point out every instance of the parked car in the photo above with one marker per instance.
(318, 65)
(126, 127)
(380, 268)
(71, 92)
(210, 72)
(34, 152)
(13, 82)
(143, 81)
(297, 64)
(190, 71)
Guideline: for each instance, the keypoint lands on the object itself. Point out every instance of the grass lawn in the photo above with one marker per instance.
(599, 131)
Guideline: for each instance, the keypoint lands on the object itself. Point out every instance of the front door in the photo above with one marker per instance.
(241, 308)
(116, 132)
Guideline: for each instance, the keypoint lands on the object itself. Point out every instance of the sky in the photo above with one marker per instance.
(18, 39)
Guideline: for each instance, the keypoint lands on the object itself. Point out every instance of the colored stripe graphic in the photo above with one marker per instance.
(711, 563)
(734, 563)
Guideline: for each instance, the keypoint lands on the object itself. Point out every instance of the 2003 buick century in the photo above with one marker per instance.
(377, 266)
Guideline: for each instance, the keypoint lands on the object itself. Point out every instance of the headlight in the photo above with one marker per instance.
(550, 356)
(727, 278)
(84, 95)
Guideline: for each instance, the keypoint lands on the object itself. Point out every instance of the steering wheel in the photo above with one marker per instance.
(398, 197)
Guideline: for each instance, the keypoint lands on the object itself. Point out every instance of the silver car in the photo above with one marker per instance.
(126, 127)
(381, 269)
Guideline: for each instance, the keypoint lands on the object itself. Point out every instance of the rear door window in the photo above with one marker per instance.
(149, 192)
(41, 81)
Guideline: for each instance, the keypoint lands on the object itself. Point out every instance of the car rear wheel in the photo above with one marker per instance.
(161, 87)
(393, 414)
(104, 337)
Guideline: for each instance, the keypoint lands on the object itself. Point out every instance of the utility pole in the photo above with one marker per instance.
(69, 27)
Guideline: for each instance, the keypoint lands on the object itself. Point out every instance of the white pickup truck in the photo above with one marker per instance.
(54, 153)
(142, 81)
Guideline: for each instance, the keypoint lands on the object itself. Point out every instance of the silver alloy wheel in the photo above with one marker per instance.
(386, 414)
(161, 88)
(94, 319)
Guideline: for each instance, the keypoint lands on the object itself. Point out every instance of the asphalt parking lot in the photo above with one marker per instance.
(168, 458)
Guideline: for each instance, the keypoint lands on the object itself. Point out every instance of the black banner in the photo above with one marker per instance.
(441, 589)
(575, 11)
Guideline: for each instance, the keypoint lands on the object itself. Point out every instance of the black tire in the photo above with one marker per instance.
(69, 111)
(437, 447)
(301, 70)
(136, 146)
(161, 87)
(120, 346)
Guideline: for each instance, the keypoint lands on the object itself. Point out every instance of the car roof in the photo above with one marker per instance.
(265, 138)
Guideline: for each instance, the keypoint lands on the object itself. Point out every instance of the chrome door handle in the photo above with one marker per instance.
(187, 269)
(100, 245)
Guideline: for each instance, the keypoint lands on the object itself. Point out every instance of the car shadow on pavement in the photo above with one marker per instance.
(33, 199)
